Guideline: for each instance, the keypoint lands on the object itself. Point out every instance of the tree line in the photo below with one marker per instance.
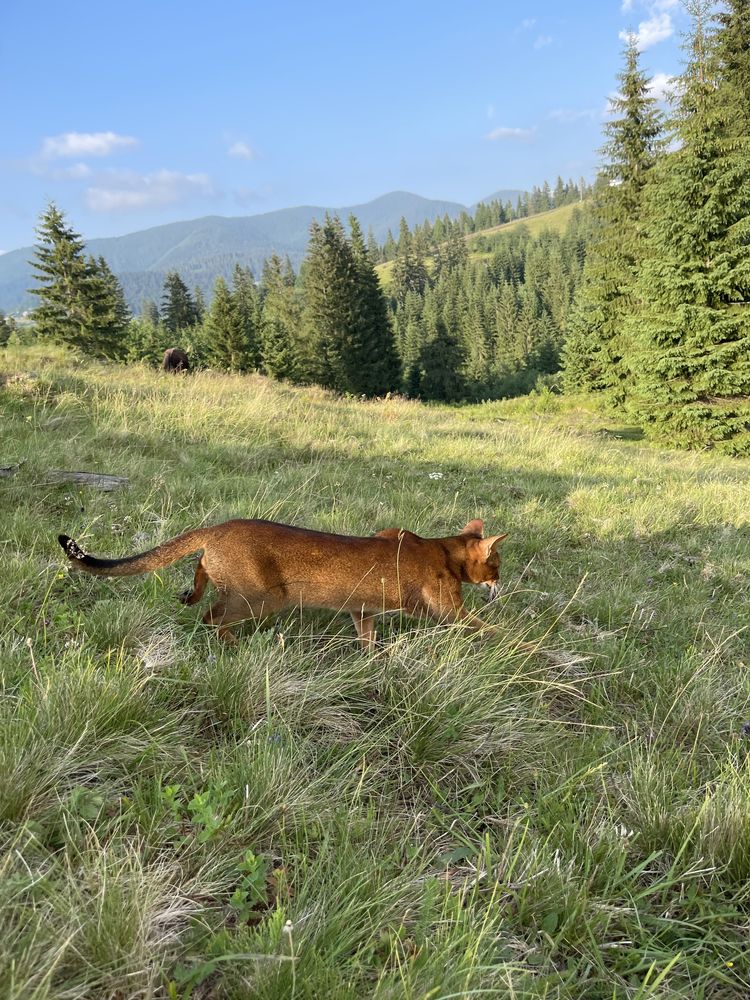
(428, 237)
(661, 324)
(443, 325)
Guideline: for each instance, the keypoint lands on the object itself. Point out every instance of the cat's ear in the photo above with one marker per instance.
(475, 528)
(489, 545)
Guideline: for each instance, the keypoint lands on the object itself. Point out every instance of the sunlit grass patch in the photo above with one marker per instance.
(557, 810)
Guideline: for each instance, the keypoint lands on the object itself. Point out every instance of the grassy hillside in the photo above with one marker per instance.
(556, 220)
(292, 818)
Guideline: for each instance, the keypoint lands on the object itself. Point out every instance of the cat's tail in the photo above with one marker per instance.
(145, 562)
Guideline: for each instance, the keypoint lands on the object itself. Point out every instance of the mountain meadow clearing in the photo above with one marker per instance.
(289, 817)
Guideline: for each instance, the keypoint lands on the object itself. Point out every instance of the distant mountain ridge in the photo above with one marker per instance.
(201, 249)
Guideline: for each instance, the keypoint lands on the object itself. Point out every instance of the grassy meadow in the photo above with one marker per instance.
(291, 818)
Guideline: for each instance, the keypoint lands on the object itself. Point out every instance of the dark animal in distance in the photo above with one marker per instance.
(175, 360)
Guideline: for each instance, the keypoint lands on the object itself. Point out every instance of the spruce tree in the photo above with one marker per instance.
(389, 247)
(177, 306)
(508, 355)
(279, 321)
(69, 286)
(453, 253)
(245, 297)
(478, 346)
(108, 310)
(692, 366)
(226, 340)
(597, 349)
(200, 304)
(329, 323)
(150, 312)
(442, 360)
(374, 370)
(409, 271)
(82, 302)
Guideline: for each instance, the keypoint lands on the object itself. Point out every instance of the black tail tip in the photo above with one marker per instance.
(72, 549)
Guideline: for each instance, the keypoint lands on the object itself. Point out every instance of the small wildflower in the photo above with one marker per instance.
(288, 927)
(729, 965)
(436, 475)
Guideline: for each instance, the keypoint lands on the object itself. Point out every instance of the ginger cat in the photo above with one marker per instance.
(260, 568)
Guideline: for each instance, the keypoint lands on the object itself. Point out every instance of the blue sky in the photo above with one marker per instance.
(133, 115)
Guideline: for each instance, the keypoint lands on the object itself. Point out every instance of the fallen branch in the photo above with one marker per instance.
(99, 480)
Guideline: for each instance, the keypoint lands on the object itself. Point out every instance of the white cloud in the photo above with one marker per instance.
(527, 23)
(542, 40)
(125, 191)
(504, 132)
(75, 172)
(659, 85)
(656, 29)
(627, 5)
(85, 144)
(242, 150)
(571, 115)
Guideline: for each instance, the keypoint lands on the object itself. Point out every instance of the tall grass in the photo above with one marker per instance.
(455, 817)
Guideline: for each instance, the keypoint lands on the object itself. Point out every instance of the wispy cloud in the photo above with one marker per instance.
(75, 172)
(572, 115)
(659, 85)
(242, 151)
(655, 29)
(527, 24)
(127, 191)
(542, 40)
(505, 132)
(70, 144)
(490, 111)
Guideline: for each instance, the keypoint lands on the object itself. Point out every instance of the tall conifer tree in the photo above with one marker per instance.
(245, 298)
(177, 306)
(692, 367)
(409, 271)
(67, 284)
(280, 321)
(227, 343)
(375, 370)
(82, 302)
(328, 321)
(596, 351)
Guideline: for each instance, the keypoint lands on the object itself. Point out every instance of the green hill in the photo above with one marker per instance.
(201, 249)
(556, 219)
(455, 816)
